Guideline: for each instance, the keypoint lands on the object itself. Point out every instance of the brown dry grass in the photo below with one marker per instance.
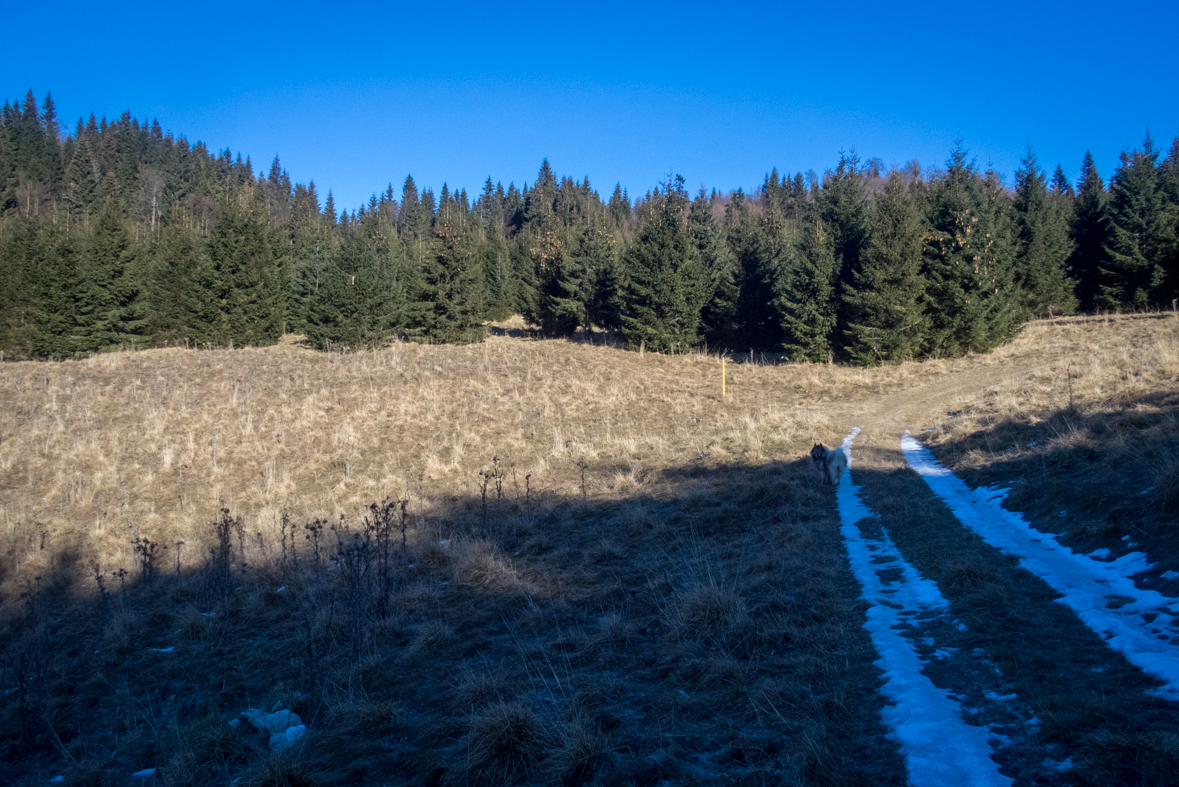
(158, 441)
(1087, 439)
(640, 581)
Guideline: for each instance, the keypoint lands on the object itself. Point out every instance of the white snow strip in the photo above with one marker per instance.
(939, 747)
(1089, 587)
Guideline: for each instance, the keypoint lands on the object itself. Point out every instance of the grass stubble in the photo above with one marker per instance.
(590, 568)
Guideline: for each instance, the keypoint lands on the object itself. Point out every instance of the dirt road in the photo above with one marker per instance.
(998, 652)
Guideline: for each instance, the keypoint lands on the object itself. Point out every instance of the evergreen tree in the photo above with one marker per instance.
(885, 302)
(497, 266)
(720, 317)
(842, 207)
(1134, 276)
(362, 300)
(19, 285)
(667, 285)
(1089, 230)
(1167, 234)
(970, 295)
(756, 276)
(59, 293)
(554, 283)
(106, 293)
(242, 280)
(619, 207)
(1060, 184)
(1042, 245)
(450, 296)
(806, 296)
(175, 264)
(539, 213)
(586, 293)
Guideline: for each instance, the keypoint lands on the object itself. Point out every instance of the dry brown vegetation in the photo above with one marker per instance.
(609, 573)
(1086, 438)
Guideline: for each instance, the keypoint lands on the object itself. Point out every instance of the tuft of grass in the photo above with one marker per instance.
(504, 744)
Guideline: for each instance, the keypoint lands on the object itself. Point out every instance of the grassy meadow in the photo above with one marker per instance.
(532, 561)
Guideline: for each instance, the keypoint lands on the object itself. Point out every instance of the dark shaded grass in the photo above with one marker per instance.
(1098, 478)
(1092, 705)
(709, 631)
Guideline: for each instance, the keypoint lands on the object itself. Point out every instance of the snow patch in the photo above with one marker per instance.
(939, 747)
(1084, 582)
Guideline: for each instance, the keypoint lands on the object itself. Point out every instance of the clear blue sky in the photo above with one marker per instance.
(354, 98)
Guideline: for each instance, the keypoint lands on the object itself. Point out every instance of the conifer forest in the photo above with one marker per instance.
(122, 235)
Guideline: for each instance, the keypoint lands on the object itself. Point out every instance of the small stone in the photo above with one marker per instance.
(281, 741)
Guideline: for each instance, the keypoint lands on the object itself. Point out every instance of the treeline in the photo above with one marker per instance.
(122, 235)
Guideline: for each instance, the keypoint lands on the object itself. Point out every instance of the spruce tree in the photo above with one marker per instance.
(1042, 244)
(554, 283)
(885, 302)
(971, 295)
(19, 286)
(667, 285)
(756, 275)
(1089, 231)
(450, 291)
(59, 291)
(497, 266)
(1167, 234)
(805, 298)
(105, 293)
(1134, 276)
(720, 318)
(361, 302)
(243, 280)
(175, 263)
(842, 207)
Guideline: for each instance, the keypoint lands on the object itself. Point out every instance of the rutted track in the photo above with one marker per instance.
(939, 747)
(1141, 624)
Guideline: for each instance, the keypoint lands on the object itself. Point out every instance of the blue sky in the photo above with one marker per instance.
(355, 98)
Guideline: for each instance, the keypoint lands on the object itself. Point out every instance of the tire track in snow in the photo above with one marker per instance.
(939, 747)
(1140, 624)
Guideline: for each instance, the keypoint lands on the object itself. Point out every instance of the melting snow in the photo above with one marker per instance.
(1170, 575)
(939, 747)
(1085, 583)
(990, 695)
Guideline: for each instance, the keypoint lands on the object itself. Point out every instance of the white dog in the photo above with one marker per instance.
(830, 464)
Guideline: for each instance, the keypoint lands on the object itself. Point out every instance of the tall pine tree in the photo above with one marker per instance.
(667, 285)
(971, 295)
(1089, 230)
(1134, 276)
(885, 302)
(806, 296)
(1042, 244)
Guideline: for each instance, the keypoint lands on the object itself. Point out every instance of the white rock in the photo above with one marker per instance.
(281, 741)
(272, 722)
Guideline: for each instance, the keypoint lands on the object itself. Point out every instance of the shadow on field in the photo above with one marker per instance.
(1013, 646)
(1102, 479)
(704, 628)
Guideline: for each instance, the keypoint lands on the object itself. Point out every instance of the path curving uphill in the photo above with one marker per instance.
(1039, 665)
